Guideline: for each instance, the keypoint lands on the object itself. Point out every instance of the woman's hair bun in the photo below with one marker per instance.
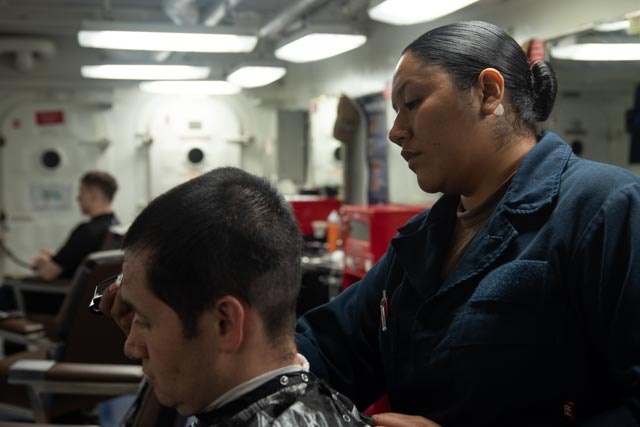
(545, 87)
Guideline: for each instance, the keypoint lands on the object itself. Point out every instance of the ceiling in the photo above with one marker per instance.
(38, 38)
(39, 47)
(596, 75)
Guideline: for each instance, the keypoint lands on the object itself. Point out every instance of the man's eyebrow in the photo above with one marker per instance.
(126, 302)
(129, 304)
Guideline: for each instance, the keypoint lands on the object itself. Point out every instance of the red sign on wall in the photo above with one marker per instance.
(46, 118)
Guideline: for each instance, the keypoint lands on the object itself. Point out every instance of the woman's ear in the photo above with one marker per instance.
(491, 83)
(229, 317)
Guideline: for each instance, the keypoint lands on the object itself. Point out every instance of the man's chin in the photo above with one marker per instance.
(182, 408)
(185, 410)
(164, 399)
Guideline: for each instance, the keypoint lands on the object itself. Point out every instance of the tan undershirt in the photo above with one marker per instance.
(468, 224)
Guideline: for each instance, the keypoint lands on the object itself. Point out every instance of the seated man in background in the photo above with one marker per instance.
(208, 294)
(94, 198)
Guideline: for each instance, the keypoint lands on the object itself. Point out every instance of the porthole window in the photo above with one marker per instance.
(50, 159)
(195, 155)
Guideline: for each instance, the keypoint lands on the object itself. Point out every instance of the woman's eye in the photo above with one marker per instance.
(411, 104)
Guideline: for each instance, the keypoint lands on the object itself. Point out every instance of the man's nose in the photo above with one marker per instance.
(134, 348)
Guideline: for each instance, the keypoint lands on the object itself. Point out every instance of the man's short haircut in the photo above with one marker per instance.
(226, 232)
(101, 180)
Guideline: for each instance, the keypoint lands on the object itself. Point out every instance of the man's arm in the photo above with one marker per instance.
(46, 267)
(80, 243)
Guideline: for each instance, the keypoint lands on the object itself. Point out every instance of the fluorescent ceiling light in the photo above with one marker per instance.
(144, 72)
(409, 12)
(198, 87)
(167, 41)
(612, 26)
(318, 45)
(598, 52)
(256, 75)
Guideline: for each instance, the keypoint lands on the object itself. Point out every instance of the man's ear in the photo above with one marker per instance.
(491, 84)
(95, 194)
(229, 316)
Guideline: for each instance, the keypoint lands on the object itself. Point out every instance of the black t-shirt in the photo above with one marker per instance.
(83, 240)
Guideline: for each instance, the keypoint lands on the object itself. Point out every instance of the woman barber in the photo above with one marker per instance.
(514, 300)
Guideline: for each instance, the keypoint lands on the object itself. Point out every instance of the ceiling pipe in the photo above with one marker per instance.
(182, 12)
(24, 60)
(25, 50)
(215, 14)
(186, 12)
(160, 56)
(289, 15)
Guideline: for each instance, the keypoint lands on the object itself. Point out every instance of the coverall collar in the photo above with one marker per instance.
(532, 192)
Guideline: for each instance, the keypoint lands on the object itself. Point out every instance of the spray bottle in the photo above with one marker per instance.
(333, 231)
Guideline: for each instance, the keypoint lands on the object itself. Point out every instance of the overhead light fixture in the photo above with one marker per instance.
(598, 52)
(196, 87)
(256, 75)
(140, 36)
(144, 72)
(409, 12)
(612, 26)
(634, 22)
(316, 43)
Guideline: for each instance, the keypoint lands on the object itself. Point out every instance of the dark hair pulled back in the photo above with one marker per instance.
(464, 49)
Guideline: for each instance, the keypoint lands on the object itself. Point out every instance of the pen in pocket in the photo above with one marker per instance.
(384, 311)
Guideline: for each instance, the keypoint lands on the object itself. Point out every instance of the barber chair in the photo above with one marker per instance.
(46, 378)
(17, 424)
(43, 378)
(25, 288)
(114, 237)
(77, 336)
(53, 291)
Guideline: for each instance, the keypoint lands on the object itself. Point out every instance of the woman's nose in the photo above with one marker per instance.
(398, 134)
